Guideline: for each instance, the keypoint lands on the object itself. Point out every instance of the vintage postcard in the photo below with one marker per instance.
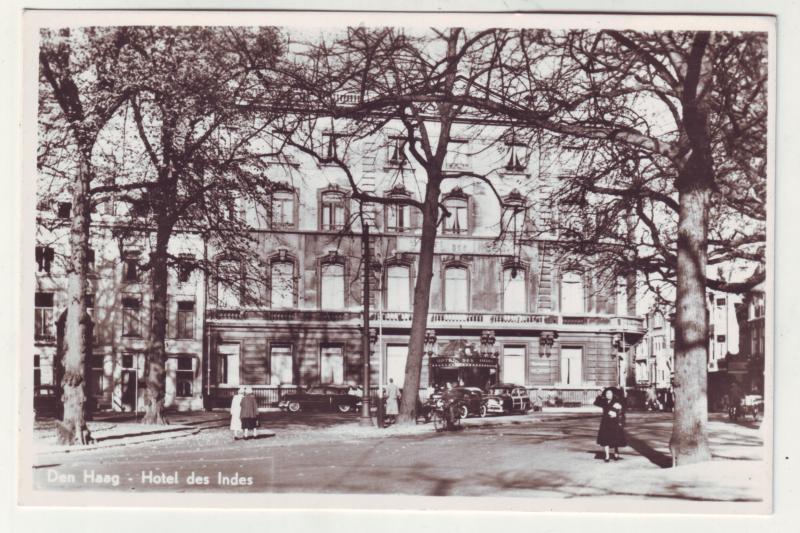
(384, 261)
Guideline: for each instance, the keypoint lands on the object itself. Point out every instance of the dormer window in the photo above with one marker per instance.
(332, 145)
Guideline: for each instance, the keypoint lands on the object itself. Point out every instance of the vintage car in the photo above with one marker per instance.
(321, 397)
(471, 398)
(507, 398)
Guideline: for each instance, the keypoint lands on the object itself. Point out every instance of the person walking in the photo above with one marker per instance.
(392, 397)
(249, 412)
(236, 412)
(612, 430)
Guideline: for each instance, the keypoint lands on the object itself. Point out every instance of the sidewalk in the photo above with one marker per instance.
(121, 429)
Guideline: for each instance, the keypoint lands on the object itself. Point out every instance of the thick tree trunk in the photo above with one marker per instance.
(422, 293)
(155, 375)
(689, 442)
(72, 427)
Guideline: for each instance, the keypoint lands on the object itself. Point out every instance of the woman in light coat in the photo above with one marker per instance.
(236, 411)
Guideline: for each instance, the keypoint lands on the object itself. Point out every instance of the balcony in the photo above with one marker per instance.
(438, 319)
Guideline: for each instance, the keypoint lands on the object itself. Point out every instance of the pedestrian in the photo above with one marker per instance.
(236, 410)
(612, 431)
(392, 396)
(249, 412)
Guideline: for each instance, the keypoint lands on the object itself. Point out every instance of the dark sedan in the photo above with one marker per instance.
(472, 399)
(321, 397)
(506, 398)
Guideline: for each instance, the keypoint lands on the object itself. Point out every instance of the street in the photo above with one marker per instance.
(512, 456)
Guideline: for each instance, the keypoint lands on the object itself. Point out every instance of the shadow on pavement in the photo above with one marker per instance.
(656, 457)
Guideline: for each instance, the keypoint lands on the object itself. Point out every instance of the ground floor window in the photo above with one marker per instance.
(572, 366)
(513, 370)
(99, 382)
(331, 365)
(280, 364)
(183, 369)
(396, 364)
(37, 373)
(228, 364)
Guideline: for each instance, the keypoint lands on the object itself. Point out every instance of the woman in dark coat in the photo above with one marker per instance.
(612, 425)
(249, 412)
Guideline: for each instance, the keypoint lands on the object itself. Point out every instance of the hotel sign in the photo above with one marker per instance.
(463, 362)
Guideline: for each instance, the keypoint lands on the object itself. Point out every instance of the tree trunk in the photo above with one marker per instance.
(422, 294)
(689, 442)
(155, 375)
(72, 427)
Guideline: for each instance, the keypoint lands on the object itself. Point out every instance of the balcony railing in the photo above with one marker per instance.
(437, 319)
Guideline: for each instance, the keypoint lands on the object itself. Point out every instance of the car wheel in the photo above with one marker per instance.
(484, 411)
(343, 408)
(294, 407)
(463, 412)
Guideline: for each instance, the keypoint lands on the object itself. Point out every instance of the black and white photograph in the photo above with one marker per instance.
(383, 261)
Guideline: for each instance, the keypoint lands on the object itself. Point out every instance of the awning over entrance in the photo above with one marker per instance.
(462, 354)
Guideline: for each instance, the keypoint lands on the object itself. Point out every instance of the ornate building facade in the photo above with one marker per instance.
(499, 288)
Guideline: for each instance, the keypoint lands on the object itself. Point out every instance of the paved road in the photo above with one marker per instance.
(553, 458)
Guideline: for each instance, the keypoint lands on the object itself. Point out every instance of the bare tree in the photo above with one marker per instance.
(75, 90)
(201, 159)
(671, 126)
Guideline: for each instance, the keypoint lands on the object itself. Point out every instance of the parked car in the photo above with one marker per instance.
(321, 397)
(471, 398)
(507, 398)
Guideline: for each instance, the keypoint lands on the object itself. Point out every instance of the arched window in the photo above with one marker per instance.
(458, 221)
(398, 288)
(333, 211)
(456, 289)
(229, 276)
(282, 209)
(514, 293)
(572, 293)
(332, 294)
(282, 284)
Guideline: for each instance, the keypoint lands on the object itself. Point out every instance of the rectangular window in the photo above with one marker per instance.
(514, 365)
(131, 317)
(331, 365)
(282, 285)
(282, 210)
(456, 289)
(185, 268)
(90, 266)
(184, 327)
(131, 268)
(64, 210)
(37, 373)
(398, 288)
(572, 293)
(333, 211)
(396, 364)
(281, 364)
(184, 376)
(572, 366)
(514, 294)
(458, 221)
(228, 364)
(396, 155)
(332, 287)
(44, 320)
(44, 258)
(398, 218)
(228, 284)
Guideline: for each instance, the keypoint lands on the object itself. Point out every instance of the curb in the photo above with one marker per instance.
(123, 440)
